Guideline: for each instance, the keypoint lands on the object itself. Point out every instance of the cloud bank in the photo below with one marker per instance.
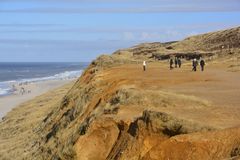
(123, 6)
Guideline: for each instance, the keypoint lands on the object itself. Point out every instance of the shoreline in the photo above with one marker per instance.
(9, 102)
(10, 87)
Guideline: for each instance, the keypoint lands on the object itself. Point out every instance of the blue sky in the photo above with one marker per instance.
(80, 30)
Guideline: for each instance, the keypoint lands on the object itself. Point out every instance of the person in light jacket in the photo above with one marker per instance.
(144, 65)
(194, 64)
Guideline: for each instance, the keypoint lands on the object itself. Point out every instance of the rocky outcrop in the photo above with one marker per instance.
(149, 130)
(214, 145)
(157, 135)
(186, 140)
(98, 141)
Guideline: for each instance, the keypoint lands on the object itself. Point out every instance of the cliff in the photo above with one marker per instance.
(117, 111)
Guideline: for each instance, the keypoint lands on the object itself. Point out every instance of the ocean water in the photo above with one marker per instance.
(16, 73)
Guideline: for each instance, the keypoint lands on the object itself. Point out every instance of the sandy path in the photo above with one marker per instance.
(215, 85)
(7, 103)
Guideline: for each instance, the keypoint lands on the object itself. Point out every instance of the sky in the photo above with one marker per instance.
(81, 30)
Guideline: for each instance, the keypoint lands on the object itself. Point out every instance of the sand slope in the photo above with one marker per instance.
(18, 127)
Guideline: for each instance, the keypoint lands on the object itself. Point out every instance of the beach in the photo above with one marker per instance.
(20, 82)
(8, 102)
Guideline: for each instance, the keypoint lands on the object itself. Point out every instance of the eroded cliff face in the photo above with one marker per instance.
(90, 98)
(110, 116)
(155, 136)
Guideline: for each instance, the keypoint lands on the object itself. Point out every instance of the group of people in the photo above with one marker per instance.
(21, 89)
(195, 64)
(178, 62)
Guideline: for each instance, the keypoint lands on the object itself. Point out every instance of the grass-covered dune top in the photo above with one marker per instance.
(213, 44)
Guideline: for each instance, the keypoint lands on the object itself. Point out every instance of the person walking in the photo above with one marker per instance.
(176, 62)
(194, 64)
(179, 62)
(144, 65)
(202, 64)
(22, 90)
(171, 63)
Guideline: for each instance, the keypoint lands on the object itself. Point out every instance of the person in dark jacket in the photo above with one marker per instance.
(202, 64)
(179, 62)
(171, 63)
(176, 62)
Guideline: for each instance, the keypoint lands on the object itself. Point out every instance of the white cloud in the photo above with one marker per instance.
(173, 33)
(150, 36)
(128, 36)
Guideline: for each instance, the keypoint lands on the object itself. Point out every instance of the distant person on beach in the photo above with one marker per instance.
(176, 62)
(194, 64)
(202, 64)
(171, 63)
(22, 91)
(144, 65)
(179, 62)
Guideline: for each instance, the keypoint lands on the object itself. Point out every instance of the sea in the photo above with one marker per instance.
(12, 73)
